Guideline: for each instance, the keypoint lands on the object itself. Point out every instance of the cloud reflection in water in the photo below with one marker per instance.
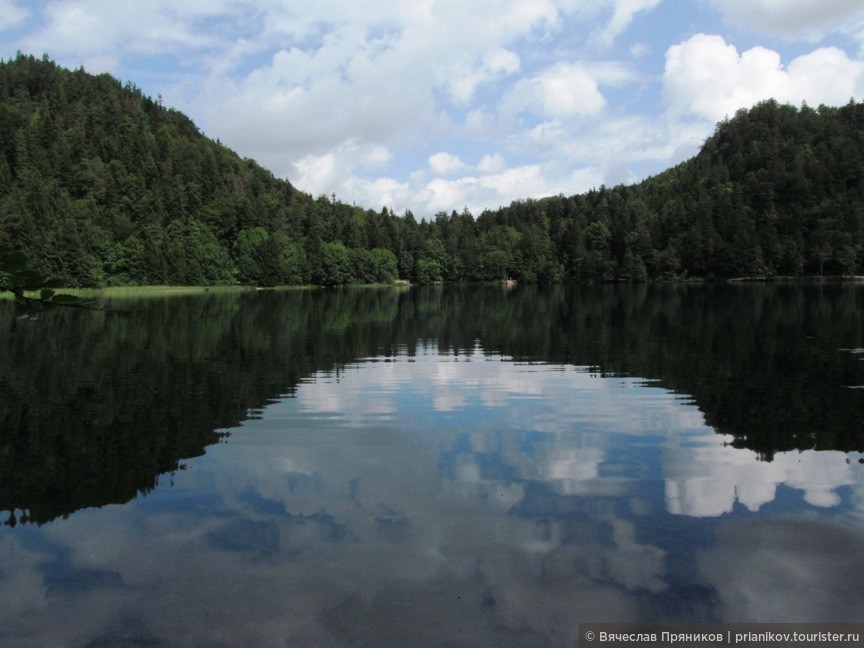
(442, 497)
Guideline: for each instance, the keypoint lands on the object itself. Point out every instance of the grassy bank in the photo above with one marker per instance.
(137, 291)
(802, 279)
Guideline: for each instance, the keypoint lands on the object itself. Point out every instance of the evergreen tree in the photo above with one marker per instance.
(100, 185)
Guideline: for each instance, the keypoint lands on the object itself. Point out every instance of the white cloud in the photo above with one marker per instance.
(623, 14)
(489, 190)
(441, 195)
(520, 181)
(309, 103)
(444, 163)
(319, 174)
(479, 123)
(564, 90)
(567, 91)
(383, 192)
(11, 14)
(493, 184)
(494, 65)
(801, 18)
(316, 173)
(706, 76)
(577, 159)
(375, 72)
(492, 163)
(585, 179)
(828, 76)
(502, 61)
(103, 30)
(312, 91)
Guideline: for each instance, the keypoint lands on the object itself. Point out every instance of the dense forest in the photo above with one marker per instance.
(101, 185)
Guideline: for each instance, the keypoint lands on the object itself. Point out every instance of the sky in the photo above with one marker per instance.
(439, 105)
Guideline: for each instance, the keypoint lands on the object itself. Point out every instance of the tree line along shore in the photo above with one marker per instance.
(101, 185)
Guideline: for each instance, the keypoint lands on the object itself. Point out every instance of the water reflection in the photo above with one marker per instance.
(394, 487)
(710, 480)
(93, 408)
(436, 498)
(560, 424)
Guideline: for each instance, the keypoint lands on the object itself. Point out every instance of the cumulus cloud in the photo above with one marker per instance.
(492, 185)
(445, 163)
(318, 92)
(519, 180)
(449, 183)
(311, 103)
(393, 75)
(381, 192)
(489, 184)
(491, 189)
(564, 90)
(328, 94)
(706, 76)
(319, 173)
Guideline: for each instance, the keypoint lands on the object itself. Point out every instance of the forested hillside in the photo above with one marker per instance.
(102, 185)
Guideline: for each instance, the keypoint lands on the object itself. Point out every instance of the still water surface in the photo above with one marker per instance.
(445, 466)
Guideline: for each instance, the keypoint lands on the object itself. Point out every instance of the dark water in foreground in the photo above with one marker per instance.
(445, 466)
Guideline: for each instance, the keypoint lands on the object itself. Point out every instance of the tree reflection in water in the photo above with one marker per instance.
(472, 465)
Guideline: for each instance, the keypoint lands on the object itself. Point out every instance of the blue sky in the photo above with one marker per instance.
(434, 105)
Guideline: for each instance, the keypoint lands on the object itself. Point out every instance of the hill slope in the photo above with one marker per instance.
(102, 185)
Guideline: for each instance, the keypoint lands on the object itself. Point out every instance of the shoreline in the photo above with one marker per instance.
(802, 279)
(165, 291)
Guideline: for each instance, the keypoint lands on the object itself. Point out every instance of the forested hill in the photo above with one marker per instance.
(102, 185)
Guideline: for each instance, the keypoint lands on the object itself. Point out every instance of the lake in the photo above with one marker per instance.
(464, 466)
